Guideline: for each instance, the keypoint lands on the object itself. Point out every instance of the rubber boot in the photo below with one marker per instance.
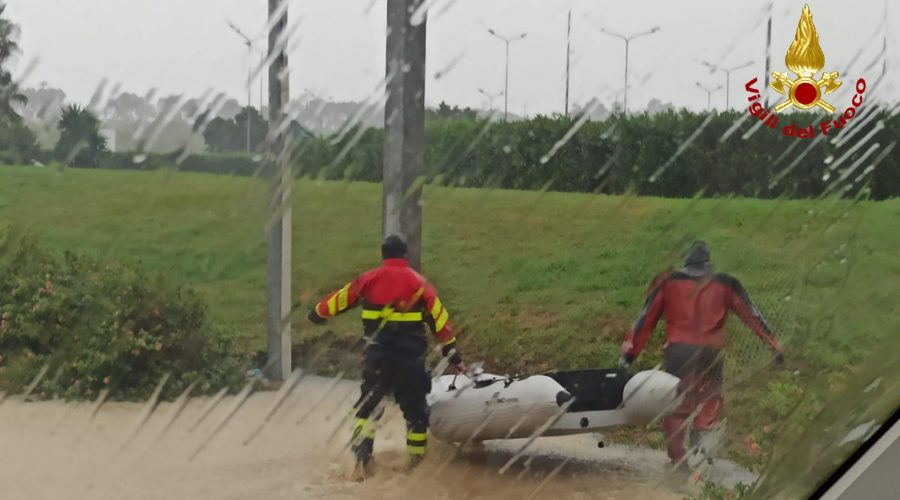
(709, 442)
(363, 445)
(416, 445)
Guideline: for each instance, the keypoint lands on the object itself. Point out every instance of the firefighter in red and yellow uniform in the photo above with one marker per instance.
(695, 302)
(397, 304)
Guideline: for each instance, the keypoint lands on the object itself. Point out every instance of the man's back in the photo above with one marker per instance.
(695, 308)
(393, 284)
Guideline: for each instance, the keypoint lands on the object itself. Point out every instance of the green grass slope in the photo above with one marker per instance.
(533, 280)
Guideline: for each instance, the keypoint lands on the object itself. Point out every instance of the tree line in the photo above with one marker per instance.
(670, 154)
(667, 152)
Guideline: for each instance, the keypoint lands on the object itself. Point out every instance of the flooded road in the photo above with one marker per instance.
(231, 450)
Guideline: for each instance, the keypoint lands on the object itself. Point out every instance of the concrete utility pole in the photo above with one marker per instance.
(506, 84)
(627, 40)
(262, 91)
(768, 54)
(568, 56)
(278, 223)
(404, 126)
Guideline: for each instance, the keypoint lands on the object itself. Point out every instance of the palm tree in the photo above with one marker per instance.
(80, 142)
(9, 91)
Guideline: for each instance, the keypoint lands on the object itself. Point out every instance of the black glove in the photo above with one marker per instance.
(625, 362)
(452, 354)
(314, 317)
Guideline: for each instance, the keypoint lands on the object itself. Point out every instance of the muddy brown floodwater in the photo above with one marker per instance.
(55, 450)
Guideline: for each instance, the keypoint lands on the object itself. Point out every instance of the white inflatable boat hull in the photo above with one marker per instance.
(495, 411)
(560, 403)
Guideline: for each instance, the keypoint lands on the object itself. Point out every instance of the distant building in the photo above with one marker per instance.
(110, 136)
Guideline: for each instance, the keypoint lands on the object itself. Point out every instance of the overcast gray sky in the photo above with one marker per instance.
(185, 46)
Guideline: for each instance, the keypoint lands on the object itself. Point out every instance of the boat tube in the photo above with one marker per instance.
(486, 407)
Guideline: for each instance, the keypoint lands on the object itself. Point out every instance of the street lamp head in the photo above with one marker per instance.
(240, 33)
(610, 33)
(655, 29)
(491, 31)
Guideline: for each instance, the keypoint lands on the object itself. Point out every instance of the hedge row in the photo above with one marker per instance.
(671, 154)
(224, 163)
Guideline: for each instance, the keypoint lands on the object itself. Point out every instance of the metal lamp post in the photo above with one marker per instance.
(709, 93)
(249, 43)
(491, 98)
(727, 78)
(507, 41)
(628, 40)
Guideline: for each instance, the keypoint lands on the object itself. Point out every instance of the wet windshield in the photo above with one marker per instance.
(445, 249)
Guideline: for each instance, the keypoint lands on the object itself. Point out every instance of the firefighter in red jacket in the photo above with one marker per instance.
(695, 301)
(397, 304)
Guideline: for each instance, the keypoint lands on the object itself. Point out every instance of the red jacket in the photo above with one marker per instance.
(695, 308)
(394, 297)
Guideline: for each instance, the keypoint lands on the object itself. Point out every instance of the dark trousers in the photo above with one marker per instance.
(700, 371)
(394, 366)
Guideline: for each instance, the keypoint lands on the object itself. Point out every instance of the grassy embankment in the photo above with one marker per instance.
(533, 280)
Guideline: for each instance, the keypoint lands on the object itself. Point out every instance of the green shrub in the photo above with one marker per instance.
(239, 164)
(713, 491)
(17, 144)
(136, 161)
(102, 326)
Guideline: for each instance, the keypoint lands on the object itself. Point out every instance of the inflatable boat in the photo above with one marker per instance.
(485, 407)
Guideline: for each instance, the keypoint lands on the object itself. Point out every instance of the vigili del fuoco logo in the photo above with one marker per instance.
(805, 59)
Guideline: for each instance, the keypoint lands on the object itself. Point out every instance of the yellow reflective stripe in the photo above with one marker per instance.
(416, 436)
(436, 308)
(416, 442)
(392, 316)
(342, 296)
(413, 316)
(450, 342)
(364, 428)
(332, 305)
(440, 321)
